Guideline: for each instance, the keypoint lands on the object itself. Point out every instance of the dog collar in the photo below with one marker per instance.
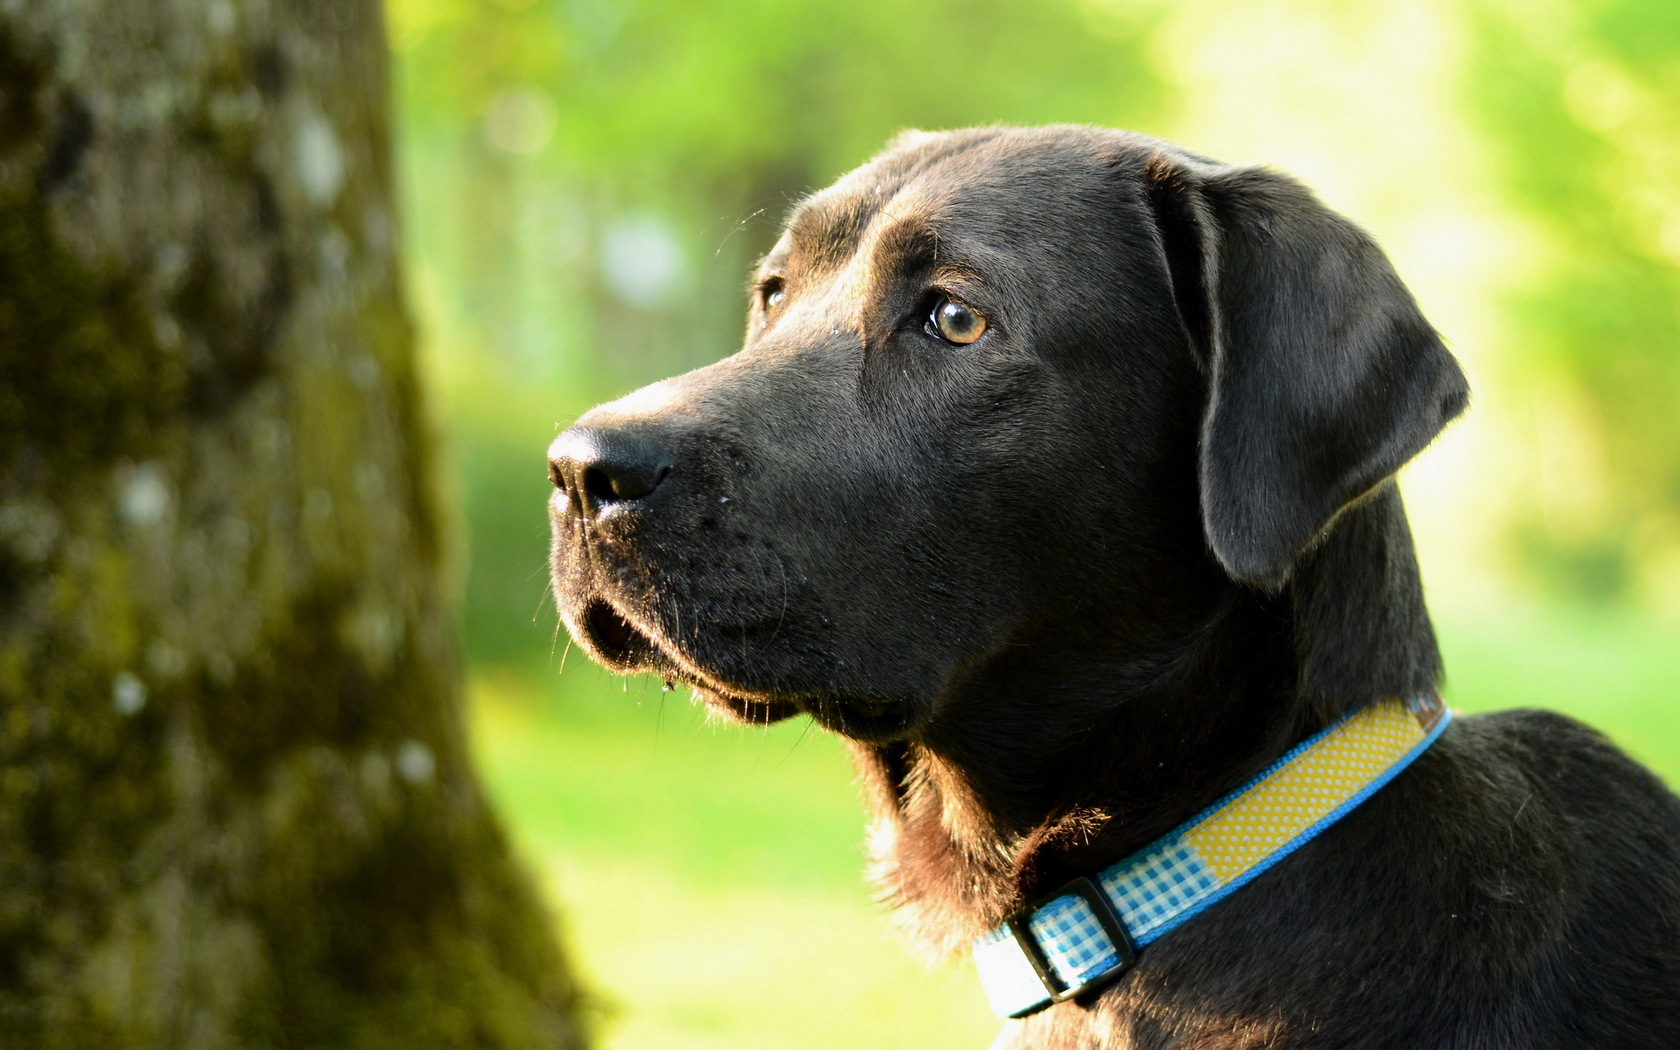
(1088, 932)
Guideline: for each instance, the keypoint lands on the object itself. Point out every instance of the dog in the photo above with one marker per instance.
(1056, 476)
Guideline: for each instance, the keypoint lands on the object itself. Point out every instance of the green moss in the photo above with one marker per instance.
(382, 913)
(425, 937)
(81, 376)
(20, 78)
(82, 789)
(302, 686)
(244, 859)
(239, 327)
(392, 918)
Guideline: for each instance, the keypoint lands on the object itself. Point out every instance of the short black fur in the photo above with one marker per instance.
(1062, 587)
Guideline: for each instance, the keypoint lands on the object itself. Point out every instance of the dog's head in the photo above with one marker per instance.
(1057, 388)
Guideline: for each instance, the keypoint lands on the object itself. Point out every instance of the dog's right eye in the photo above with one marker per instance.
(956, 322)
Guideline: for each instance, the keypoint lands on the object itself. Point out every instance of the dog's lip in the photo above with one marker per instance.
(613, 630)
(750, 709)
(867, 719)
(870, 719)
(613, 638)
(620, 642)
(742, 702)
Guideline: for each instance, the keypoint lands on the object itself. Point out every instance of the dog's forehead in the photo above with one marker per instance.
(986, 187)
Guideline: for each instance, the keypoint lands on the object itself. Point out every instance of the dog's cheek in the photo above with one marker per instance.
(1015, 469)
(927, 537)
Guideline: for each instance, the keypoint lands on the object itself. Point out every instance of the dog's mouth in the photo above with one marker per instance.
(614, 640)
(760, 711)
(618, 643)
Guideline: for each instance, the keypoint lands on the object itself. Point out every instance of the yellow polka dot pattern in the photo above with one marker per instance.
(1304, 791)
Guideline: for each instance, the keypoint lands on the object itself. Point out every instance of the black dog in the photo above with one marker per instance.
(1056, 475)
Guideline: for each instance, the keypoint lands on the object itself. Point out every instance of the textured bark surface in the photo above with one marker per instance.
(236, 808)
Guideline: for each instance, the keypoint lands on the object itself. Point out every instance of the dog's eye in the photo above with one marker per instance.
(956, 323)
(772, 295)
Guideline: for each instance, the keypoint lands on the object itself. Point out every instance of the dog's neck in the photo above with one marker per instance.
(1047, 764)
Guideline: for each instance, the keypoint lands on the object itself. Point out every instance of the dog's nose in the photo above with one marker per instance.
(599, 468)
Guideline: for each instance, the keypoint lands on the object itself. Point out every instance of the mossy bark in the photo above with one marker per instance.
(236, 806)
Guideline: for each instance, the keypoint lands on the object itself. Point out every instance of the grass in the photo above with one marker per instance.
(708, 876)
(1614, 671)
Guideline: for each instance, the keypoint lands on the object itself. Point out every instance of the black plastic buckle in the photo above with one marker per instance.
(1020, 924)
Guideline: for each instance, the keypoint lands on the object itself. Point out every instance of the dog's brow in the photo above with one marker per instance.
(776, 260)
(907, 244)
(827, 230)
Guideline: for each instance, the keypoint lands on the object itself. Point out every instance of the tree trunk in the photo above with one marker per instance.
(236, 808)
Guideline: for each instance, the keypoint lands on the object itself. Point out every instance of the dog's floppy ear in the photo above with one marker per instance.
(1324, 377)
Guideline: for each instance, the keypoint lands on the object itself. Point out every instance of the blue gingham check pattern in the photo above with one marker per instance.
(1075, 944)
(1148, 890)
(1155, 885)
(1151, 891)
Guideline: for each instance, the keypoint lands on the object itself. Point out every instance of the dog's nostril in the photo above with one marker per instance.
(599, 486)
(619, 482)
(598, 468)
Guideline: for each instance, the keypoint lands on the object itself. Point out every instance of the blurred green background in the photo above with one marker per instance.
(587, 181)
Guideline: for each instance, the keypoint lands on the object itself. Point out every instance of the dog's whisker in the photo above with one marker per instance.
(740, 224)
(800, 739)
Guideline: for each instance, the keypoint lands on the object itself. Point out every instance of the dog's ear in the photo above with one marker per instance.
(1324, 378)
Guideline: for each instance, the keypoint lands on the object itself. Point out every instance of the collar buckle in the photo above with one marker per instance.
(1108, 922)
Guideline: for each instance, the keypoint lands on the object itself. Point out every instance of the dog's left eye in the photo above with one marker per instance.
(956, 322)
(771, 296)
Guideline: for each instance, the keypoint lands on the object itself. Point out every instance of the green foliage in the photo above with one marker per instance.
(688, 98)
(1583, 105)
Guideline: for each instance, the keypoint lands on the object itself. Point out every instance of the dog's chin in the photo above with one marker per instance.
(618, 643)
(867, 721)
